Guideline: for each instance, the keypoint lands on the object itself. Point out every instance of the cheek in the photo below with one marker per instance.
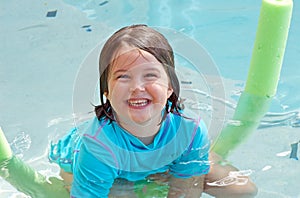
(111, 90)
(158, 92)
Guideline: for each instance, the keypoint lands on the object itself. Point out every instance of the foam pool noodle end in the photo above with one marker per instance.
(263, 75)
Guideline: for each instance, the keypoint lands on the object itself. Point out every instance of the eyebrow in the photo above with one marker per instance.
(152, 69)
(120, 71)
(125, 70)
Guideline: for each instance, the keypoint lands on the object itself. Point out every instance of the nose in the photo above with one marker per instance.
(137, 84)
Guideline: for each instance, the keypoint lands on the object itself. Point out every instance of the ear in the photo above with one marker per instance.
(106, 95)
(170, 91)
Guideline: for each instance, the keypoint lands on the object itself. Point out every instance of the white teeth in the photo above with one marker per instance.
(138, 103)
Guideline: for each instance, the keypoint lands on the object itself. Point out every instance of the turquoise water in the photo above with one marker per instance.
(41, 58)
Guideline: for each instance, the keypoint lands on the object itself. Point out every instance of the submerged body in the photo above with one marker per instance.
(117, 154)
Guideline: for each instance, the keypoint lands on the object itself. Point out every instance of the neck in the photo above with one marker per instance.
(147, 140)
(144, 131)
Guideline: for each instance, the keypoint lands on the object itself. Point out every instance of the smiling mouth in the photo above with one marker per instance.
(138, 102)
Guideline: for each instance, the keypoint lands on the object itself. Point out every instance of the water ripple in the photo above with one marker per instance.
(20, 144)
(291, 119)
(271, 119)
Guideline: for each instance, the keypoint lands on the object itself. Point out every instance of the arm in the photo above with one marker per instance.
(188, 171)
(92, 176)
(190, 188)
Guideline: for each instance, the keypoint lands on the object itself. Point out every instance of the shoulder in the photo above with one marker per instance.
(94, 126)
(188, 120)
(189, 128)
(95, 133)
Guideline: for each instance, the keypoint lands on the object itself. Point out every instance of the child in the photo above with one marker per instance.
(139, 131)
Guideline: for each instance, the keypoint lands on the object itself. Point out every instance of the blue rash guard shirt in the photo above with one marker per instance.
(104, 151)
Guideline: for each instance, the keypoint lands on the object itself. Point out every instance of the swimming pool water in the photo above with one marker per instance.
(41, 57)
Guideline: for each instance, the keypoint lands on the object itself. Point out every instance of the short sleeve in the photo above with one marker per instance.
(194, 160)
(92, 177)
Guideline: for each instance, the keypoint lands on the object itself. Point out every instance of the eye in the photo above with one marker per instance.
(151, 75)
(123, 76)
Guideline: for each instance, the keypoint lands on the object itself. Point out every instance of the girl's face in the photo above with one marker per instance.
(138, 87)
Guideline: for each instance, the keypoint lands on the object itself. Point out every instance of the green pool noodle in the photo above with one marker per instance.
(263, 75)
(5, 151)
(24, 178)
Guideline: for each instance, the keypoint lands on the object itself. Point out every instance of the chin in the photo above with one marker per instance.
(142, 122)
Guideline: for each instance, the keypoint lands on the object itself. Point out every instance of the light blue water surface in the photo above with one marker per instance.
(41, 57)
